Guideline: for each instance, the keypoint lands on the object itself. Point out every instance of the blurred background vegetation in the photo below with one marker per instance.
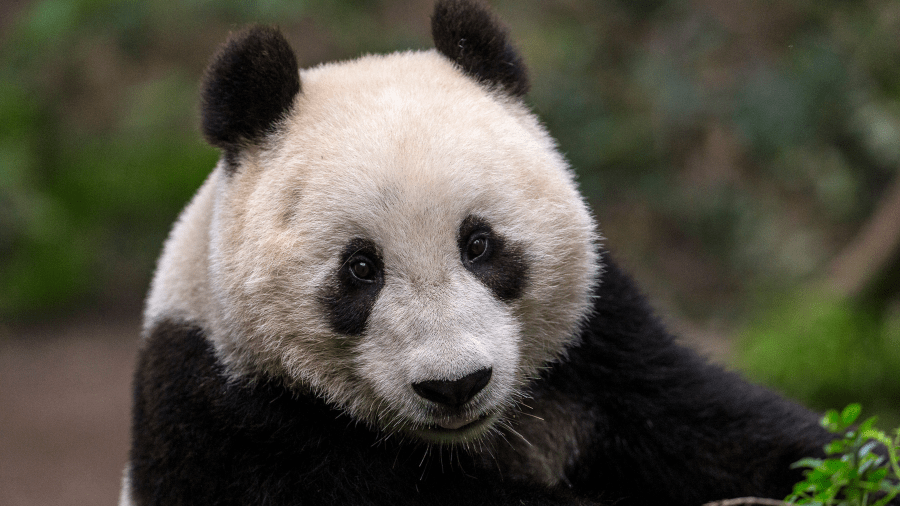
(741, 157)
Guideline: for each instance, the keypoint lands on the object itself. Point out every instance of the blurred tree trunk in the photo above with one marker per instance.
(869, 267)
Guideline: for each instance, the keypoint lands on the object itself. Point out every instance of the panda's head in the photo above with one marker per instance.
(396, 234)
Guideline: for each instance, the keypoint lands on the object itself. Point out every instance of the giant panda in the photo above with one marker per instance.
(389, 291)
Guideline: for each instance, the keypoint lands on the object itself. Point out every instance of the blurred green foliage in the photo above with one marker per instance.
(828, 351)
(99, 148)
(730, 149)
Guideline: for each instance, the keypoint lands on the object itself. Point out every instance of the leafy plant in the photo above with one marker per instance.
(854, 474)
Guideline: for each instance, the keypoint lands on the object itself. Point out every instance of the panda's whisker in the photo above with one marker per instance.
(350, 257)
(514, 431)
(425, 455)
(502, 435)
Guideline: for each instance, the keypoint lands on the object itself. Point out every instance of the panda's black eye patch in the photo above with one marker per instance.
(497, 262)
(348, 299)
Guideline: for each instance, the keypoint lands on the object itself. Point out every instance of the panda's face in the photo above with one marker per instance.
(407, 245)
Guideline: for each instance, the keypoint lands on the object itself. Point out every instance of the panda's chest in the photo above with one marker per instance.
(545, 441)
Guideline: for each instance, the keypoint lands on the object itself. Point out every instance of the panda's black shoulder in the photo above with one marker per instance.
(627, 346)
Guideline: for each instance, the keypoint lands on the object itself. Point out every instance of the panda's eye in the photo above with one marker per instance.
(362, 269)
(478, 245)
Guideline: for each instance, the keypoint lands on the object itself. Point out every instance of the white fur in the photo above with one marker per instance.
(399, 150)
(125, 492)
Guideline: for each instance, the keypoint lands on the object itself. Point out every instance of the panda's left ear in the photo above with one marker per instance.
(466, 32)
(248, 88)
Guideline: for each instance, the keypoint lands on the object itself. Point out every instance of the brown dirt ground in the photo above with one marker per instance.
(65, 395)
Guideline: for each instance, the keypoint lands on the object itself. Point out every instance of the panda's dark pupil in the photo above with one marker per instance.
(477, 247)
(361, 269)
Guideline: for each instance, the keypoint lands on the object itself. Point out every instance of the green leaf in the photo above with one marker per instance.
(807, 462)
(878, 475)
(874, 434)
(836, 446)
(833, 466)
(818, 479)
(850, 413)
(867, 425)
(831, 420)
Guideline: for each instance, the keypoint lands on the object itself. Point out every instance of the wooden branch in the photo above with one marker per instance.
(868, 267)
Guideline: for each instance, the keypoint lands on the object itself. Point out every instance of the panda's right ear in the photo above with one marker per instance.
(466, 32)
(249, 86)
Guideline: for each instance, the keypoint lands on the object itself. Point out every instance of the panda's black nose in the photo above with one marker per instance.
(454, 393)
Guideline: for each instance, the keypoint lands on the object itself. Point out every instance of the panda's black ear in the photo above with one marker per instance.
(466, 32)
(249, 86)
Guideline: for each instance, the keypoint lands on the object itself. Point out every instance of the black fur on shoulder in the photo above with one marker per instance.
(467, 33)
(248, 87)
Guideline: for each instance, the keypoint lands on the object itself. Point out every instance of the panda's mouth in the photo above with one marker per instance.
(458, 426)
(455, 424)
